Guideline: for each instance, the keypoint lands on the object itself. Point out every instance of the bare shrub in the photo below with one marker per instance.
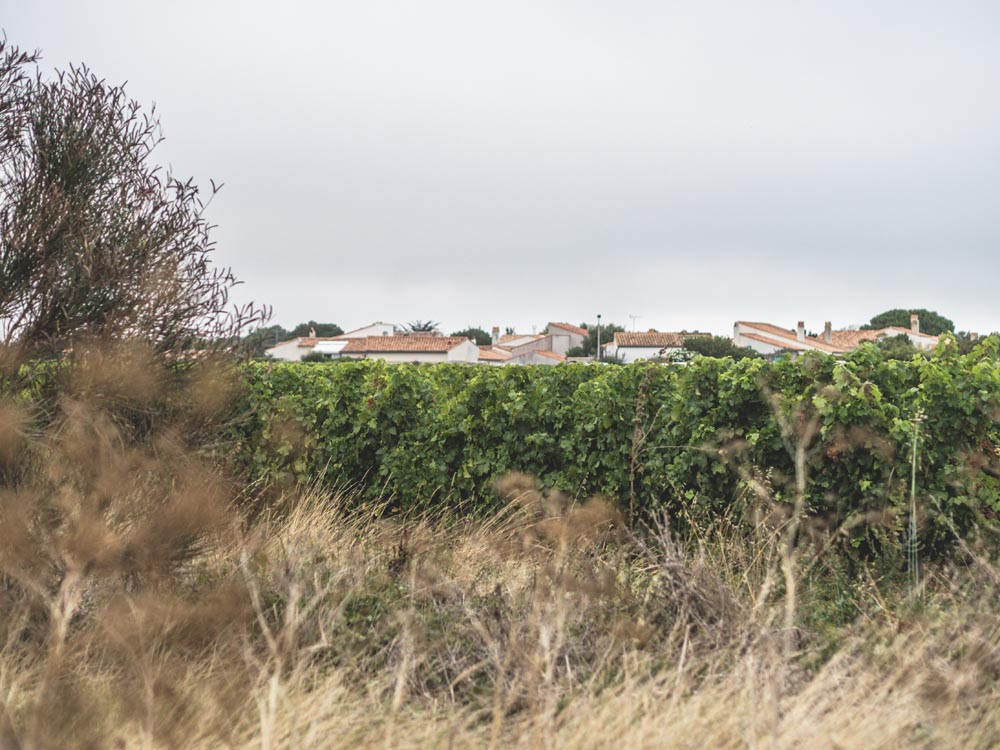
(96, 241)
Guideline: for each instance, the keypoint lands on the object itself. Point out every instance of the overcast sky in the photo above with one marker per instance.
(510, 163)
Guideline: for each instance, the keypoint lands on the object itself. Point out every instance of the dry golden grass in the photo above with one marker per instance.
(314, 629)
(139, 608)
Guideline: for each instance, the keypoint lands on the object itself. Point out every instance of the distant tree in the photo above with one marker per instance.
(718, 346)
(96, 241)
(608, 331)
(259, 340)
(930, 321)
(509, 331)
(326, 330)
(576, 351)
(966, 341)
(476, 334)
(315, 357)
(897, 347)
(422, 326)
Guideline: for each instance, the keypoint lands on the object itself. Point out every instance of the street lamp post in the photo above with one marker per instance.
(598, 337)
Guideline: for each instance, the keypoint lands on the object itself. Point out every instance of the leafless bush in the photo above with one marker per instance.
(96, 241)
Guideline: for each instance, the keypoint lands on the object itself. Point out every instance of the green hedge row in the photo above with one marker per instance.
(685, 439)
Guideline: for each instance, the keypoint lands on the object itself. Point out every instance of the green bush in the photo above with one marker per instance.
(692, 440)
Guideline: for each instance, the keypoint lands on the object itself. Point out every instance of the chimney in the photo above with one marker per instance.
(496, 335)
(828, 332)
(800, 331)
(914, 324)
(312, 333)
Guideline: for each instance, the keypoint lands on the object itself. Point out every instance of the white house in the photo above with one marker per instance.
(295, 349)
(770, 339)
(631, 347)
(566, 336)
(532, 348)
(493, 355)
(536, 357)
(413, 349)
(373, 329)
(853, 338)
(520, 345)
(558, 339)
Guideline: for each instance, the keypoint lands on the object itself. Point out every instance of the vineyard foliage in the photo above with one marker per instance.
(698, 439)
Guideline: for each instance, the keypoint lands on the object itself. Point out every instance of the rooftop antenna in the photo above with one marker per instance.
(633, 318)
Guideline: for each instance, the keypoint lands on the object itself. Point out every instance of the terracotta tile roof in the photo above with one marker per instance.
(789, 336)
(842, 340)
(493, 354)
(387, 344)
(834, 348)
(652, 338)
(847, 339)
(852, 339)
(551, 355)
(768, 328)
(508, 337)
(313, 340)
(900, 329)
(818, 343)
(780, 343)
(571, 328)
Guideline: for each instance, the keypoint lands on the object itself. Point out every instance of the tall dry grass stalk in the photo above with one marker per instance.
(139, 608)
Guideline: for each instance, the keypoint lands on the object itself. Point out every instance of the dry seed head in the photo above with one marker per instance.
(732, 450)
(632, 633)
(148, 620)
(14, 421)
(129, 371)
(212, 389)
(180, 526)
(10, 359)
(86, 543)
(858, 437)
(520, 489)
(17, 529)
(287, 433)
(594, 520)
(84, 441)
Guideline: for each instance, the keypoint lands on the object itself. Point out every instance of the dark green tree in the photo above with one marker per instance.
(930, 322)
(718, 346)
(967, 341)
(325, 330)
(259, 340)
(897, 347)
(422, 326)
(315, 357)
(476, 334)
(608, 331)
